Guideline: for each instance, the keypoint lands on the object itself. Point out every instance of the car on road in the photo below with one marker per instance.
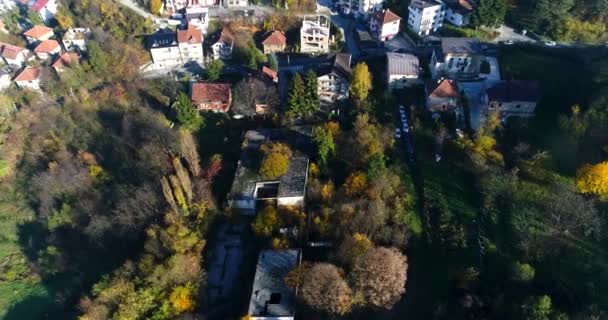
(406, 128)
(550, 43)
(509, 42)
(397, 133)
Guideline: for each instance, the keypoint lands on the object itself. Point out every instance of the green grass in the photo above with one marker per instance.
(449, 30)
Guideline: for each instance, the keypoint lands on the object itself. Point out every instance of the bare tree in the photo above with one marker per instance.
(190, 152)
(380, 276)
(325, 290)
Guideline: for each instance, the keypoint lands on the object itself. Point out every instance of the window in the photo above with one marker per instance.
(517, 106)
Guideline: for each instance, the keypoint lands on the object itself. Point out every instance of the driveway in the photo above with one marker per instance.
(474, 93)
(508, 33)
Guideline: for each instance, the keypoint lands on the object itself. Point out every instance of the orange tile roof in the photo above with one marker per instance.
(386, 16)
(66, 59)
(190, 35)
(28, 74)
(47, 46)
(446, 88)
(269, 72)
(210, 92)
(38, 32)
(10, 51)
(276, 38)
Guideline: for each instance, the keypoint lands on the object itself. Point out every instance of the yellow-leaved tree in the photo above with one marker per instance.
(182, 298)
(362, 82)
(276, 160)
(593, 179)
(156, 6)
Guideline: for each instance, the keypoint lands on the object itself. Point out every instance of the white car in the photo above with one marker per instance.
(401, 108)
(406, 128)
(397, 133)
(550, 43)
(509, 42)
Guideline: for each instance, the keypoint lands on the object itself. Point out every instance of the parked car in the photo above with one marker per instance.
(509, 42)
(550, 43)
(397, 133)
(406, 128)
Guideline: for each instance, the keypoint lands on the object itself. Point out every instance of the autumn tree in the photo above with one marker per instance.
(64, 18)
(187, 115)
(275, 162)
(355, 183)
(266, 222)
(325, 290)
(353, 247)
(593, 179)
(182, 298)
(522, 272)
(155, 6)
(190, 152)
(379, 276)
(362, 82)
(98, 59)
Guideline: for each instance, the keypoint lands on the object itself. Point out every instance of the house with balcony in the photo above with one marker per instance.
(425, 16)
(458, 58)
(384, 25)
(38, 33)
(190, 44)
(360, 8)
(47, 49)
(223, 45)
(214, 97)
(315, 34)
(274, 42)
(75, 39)
(443, 97)
(512, 98)
(333, 81)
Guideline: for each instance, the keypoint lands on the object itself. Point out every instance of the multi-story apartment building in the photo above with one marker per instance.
(359, 7)
(384, 25)
(456, 58)
(173, 6)
(6, 5)
(170, 49)
(190, 44)
(333, 83)
(425, 16)
(315, 35)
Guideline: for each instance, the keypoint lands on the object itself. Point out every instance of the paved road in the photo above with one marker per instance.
(346, 25)
(508, 33)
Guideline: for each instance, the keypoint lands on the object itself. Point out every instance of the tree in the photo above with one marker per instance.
(312, 96)
(253, 55)
(272, 62)
(214, 70)
(182, 298)
(355, 183)
(376, 167)
(537, 308)
(190, 152)
(380, 276)
(353, 247)
(490, 13)
(266, 222)
(296, 99)
(522, 272)
(156, 6)
(64, 19)
(362, 82)
(326, 148)
(98, 59)
(187, 115)
(325, 290)
(276, 159)
(34, 17)
(593, 179)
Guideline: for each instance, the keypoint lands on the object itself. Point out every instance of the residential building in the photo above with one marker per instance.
(38, 33)
(75, 39)
(5, 79)
(235, 3)
(513, 98)
(315, 34)
(359, 8)
(365, 40)
(3, 27)
(384, 25)
(425, 16)
(190, 44)
(64, 61)
(271, 297)
(270, 74)
(215, 97)
(173, 6)
(457, 58)
(249, 186)
(46, 9)
(443, 96)
(199, 18)
(164, 49)
(13, 55)
(47, 48)
(333, 82)
(29, 78)
(7, 5)
(274, 42)
(458, 12)
(402, 70)
(222, 47)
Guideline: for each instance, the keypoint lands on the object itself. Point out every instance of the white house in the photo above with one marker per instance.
(333, 83)
(75, 39)
(46, 49)
(173, 6)
(359, 8)
(443, 96)
(37, 34)
(235, 3)
(222, 47)
(5, 79)
(425, 17)
(190, 43)
(164, 49)
(46, 9)
(7, 5)
(456, 58)
(65, 60)
(314, 34)
(513, 98)
(13, 55)
(384, 25)
(402, 70)
(458, 12)
(29, 78)
(271, 297)
(199, 18)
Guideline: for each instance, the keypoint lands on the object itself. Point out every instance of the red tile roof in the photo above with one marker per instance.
(386, 16)
(10, 51)
(210, 92)
(37, 32)
(39, 5)
(66, 59)
(269, 72)
(276, 38)
(446, 89)
(28, 74)
(47, 46)
(190, 35)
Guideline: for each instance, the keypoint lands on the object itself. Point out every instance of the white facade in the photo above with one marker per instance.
(331, 88)
(314, 35)
(5, 80)
(46, 9)
(75, 39)
(13, 55)
(7, 5)
(384, 25)
(360, 7)
(29, 84)
(456, 18)
(191, 52)
(425, 17)
(222, 50)
(166, 57)
(200, 18)
(235, 3)
(172, 6)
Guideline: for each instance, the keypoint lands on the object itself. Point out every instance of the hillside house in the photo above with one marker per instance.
(384, 25)
(37, 34)
(198, 18)
(315, 35)
(274, 42)
(13, 55)
(47, 49)
(190, 44)
(46, 9)
(29, 78)
(223, 45)
(333, 82)
(513, 98)
(425, 16)
(402, 70)
(458, 58)
(64, 61)
(459, 12)
(215, 97)
(443, 96)
(75, 39)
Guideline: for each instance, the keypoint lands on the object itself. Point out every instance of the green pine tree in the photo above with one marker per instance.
(297, 96)
(187, 115)
(312, 96)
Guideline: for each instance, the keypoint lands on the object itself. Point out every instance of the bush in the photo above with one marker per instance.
(522, 272)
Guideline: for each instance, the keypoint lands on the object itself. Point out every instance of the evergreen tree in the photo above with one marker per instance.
(187, 115)
(214, 70)
(272, 62)
(312, 96)
(489, 13)
(297, 96)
